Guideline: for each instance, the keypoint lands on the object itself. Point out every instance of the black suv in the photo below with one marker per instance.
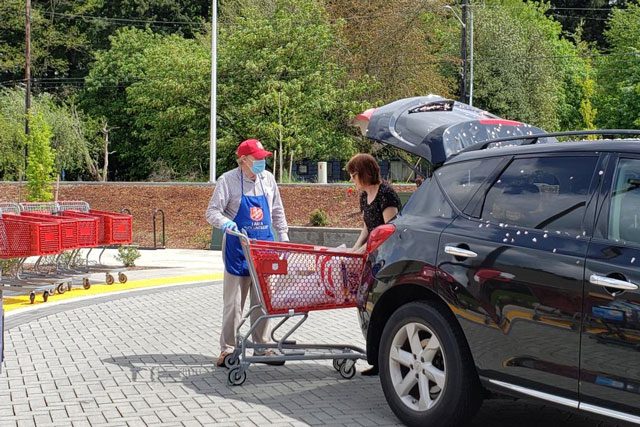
(512, 269)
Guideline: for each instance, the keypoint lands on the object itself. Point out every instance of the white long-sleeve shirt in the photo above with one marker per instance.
(225, 201)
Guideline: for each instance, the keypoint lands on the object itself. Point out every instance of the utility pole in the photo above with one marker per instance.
(27, 78)
(27, 68)
(214, 83)
(463, 53)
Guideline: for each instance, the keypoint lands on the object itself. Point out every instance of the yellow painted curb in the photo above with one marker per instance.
(20, 301)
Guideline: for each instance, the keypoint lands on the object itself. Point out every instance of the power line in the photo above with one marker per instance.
(122, 20)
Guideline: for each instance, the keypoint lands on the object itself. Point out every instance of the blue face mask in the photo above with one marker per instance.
(258, 166)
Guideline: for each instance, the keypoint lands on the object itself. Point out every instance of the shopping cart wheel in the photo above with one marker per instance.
(109, 279)
(61, 289)
(32, 297)
(45, 296)
(86, 283)
(231, 360)
(348, 370)
(69, 286)
(236, 376)
(122, 278)
(337, 364)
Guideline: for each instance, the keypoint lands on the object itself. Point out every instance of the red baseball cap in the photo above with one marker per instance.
(252, 147)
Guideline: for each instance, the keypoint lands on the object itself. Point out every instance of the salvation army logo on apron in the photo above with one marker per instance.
(256, 214)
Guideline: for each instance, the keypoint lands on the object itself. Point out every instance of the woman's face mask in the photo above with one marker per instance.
(258, 166)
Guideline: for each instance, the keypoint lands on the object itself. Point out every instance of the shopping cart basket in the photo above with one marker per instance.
(290, 281)
(21, 238)
(107, 228)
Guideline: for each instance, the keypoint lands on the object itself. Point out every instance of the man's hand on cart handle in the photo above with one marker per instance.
(229, 225)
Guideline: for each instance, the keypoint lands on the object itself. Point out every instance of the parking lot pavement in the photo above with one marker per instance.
(146, 358)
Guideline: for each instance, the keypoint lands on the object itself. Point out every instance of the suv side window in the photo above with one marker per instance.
(428, 201)
(460, 181)
(548, 193)
(624, 210)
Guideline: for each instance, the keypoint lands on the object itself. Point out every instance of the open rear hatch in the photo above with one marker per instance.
(436, 128)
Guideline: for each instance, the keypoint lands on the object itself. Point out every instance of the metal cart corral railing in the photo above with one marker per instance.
(291, 280)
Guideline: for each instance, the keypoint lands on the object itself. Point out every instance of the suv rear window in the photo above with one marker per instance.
(460, 181)
(547, 193)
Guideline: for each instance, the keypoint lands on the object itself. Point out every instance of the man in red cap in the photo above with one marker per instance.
(245, 198)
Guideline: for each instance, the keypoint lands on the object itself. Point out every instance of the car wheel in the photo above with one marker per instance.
(426, 371)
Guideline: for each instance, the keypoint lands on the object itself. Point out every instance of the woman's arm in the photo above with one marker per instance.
(389, 213)
(362, 239)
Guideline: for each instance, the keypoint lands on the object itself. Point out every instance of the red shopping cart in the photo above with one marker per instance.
(96, 228)
(290, 281)
(21, 238)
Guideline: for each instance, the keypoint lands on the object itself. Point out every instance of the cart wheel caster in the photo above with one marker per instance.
(109, 279)
(69, 286)
(32, 297)
(86, 283)
(236, 377)
(231, 361)
(45, 296)
(122, 278)
(61, 289)
(337, 364)
(348, 370)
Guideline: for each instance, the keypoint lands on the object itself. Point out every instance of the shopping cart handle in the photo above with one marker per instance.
(242, 235)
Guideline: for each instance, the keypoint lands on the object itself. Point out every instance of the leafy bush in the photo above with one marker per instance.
(319, 218)
(128, 255)
(41, 159)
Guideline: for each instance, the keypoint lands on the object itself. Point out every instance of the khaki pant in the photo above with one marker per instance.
(234, 294)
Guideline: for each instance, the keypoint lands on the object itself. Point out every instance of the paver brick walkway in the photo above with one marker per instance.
(147, 359)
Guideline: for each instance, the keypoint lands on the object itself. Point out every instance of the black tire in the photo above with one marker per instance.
(109, 279)
(459, 398)
(45, 296)
(61, 289)
(122, 278)
(86, 283)
(32, 297)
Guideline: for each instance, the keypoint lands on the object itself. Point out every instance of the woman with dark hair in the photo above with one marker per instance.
(379, 203)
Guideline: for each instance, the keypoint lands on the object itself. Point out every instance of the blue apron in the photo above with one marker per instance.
(255, 218)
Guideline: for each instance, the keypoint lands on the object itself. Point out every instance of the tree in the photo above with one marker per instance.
(618, 97)
(71, 134)
(409, 47)
(524, 68)
(40, 167)
(280, 81)
(105, 97)
(170, 104)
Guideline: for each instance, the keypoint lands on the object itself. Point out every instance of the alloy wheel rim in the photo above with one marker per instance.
(417, 367)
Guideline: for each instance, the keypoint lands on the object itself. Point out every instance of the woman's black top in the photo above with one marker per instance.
(372, 213)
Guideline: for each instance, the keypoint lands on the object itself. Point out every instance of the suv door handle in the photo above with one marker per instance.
(455, 251)
(609, 282)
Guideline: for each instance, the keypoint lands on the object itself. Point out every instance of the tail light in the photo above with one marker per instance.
(379, 235)
(362, 120)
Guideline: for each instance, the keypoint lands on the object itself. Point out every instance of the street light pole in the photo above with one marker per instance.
(214, 83)
(27, 68)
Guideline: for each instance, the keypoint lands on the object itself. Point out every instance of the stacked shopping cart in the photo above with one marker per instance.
(60, 230)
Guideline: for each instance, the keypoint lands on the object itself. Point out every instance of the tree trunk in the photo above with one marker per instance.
(105, 133)
(290, 165)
